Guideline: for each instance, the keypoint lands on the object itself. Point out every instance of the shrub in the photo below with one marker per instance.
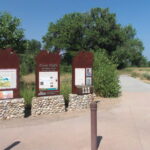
(27, 92)
(27, 64)
(66, 87)
(146, 76)
(106, 82)
(134, 74)
(64, 68)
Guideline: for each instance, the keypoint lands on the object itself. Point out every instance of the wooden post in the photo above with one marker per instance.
(93, 107)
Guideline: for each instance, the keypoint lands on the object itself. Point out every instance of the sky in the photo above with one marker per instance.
(37, 14)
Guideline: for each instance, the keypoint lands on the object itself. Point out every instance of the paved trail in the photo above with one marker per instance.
(123, 124)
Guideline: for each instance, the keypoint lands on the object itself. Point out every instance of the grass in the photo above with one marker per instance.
(146, 76)
(137, 72)
(27, 92)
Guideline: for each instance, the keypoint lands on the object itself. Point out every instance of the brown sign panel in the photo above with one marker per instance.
(9, 74)
(47, 73)
(82, 76)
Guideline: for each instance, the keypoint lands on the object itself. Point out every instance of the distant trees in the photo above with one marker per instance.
(33, 46)
(90, 31)
(95, 30)
(11, 35)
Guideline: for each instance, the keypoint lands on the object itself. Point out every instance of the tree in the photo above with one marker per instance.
(95, 30)
(33, 46)
(84, 31)
(129, 53)
(11, 35)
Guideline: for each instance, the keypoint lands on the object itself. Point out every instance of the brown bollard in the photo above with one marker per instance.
(93, 107)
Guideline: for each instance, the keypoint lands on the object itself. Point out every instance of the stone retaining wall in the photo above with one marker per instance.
(79, 102)
(11, 108)
(47, 105)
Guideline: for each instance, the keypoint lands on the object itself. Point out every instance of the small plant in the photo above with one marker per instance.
(66, 87)
(134, 74)
(27, 92)
(146, 76)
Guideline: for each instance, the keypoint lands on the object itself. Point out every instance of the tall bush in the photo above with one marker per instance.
(106, 82)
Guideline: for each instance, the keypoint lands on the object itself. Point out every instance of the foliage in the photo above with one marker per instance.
(146, 76)
(106, 82)
(135, 74)
(130, 53)
(85, 31)
(11, 35)
(27, 63)
(96, 29)
(64, 68)
(33, 46)
(66, 86)
(27, 92)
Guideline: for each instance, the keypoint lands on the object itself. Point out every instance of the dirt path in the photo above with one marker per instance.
(123, 124)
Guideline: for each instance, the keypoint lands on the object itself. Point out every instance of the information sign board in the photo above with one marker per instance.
(47, 74)
(82, 77)
(9, 74)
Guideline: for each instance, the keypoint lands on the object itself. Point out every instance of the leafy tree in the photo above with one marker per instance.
(85, 31)
(11, 35)
(33, 46)
(129, 53)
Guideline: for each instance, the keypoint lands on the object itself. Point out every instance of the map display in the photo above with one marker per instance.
(48, 80)
(6, 94)
(8, 78)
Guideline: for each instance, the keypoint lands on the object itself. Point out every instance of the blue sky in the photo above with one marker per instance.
(36, 14)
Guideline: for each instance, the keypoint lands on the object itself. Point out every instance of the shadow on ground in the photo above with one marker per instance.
(99, 139)
(27, 111)
(12, 145)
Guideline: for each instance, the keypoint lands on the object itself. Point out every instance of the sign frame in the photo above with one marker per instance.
(9, 60)
(47, 62)
(83, 60)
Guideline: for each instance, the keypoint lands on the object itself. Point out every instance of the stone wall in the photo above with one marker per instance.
(12, 108)
(47, 105)
(79, 102)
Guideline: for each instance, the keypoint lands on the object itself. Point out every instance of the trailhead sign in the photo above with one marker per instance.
(9, 74)
(82, 76)
(47, 73)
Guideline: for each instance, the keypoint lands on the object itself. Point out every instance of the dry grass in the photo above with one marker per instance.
(142, 73)
(30, 78)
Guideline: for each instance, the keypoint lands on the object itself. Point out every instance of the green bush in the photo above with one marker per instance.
(27, 92)
(27, 64)
(106, 82)
(66, 88)
(64, 68)
(146, 76)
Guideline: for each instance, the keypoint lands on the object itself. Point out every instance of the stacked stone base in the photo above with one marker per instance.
(48, 105)
(11, 108)
(79, 102)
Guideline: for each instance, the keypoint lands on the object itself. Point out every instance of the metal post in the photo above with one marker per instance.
(93, 107)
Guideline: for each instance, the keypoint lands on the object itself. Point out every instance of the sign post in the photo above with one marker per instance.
(93, 107)
(82, 73)
(47, 74)
(9, 74)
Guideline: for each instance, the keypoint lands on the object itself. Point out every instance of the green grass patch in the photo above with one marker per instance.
(27, 92)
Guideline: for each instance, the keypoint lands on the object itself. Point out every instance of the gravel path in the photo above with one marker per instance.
(123, 124)
(130, 84)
